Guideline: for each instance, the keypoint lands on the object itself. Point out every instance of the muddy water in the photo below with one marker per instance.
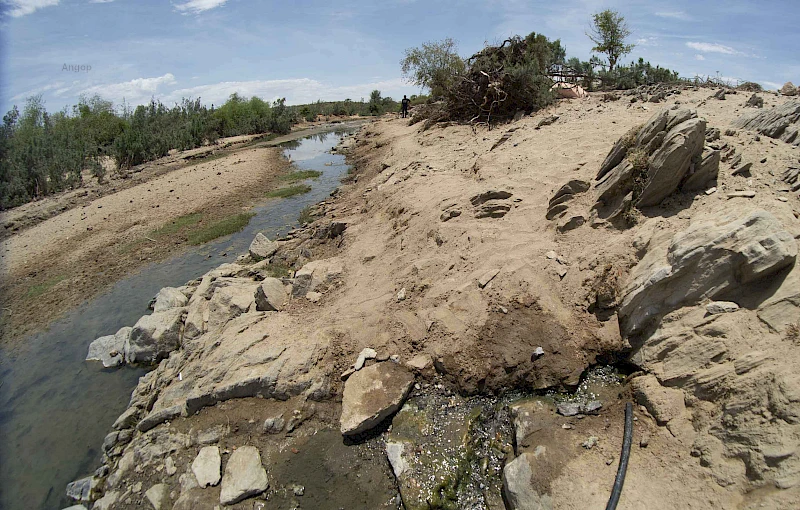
(55, 408)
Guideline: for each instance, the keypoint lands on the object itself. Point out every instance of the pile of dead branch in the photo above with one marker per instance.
(500, 81)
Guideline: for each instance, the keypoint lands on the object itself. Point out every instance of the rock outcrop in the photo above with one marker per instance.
(789, 89)
(704, 261)
(781, 122)
(665, 155)
(647, 165)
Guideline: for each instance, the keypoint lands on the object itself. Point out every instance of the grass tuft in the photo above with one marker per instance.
(221, 228)
(175, 226)
(289, 191)
(306, 214)
(300, 175)
(40, 288)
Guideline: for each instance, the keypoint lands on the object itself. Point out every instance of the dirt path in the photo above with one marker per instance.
(109, 231)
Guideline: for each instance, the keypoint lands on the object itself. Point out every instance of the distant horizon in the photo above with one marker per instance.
(314, 50)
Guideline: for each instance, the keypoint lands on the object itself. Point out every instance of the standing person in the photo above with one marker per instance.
(404, 105)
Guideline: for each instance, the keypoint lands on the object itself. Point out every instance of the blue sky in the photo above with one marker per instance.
(308, 50)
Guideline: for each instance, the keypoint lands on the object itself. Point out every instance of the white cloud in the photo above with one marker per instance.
(100, 1)
(647, 41)
(713, 48)
(135, 91)
(699, 57)
(674, 15)
(37, 91)
(23, 7)
(197, 6)
(771, 85)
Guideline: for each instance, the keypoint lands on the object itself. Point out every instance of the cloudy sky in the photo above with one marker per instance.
(307, 50)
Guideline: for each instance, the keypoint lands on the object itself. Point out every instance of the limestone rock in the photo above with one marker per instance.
(262, 247)
(169, 297)
(271, 295)
(718, 307)
(664, 404)
(80, 490)
(206, 466)
(703, 174)
(110, 350)
(195, 499)
(518, 489)
(781, 122)
(127, 419)
(669, 164)
(705, 260)
(372, 394)
(158, 495)
(274, 425)
(107, 501)
(154, 336)
(363, 356)
(156, 418)
(231, 299)
(644, 168)
(755, 101)
(244, 477)
(789, 89)
(75, 507)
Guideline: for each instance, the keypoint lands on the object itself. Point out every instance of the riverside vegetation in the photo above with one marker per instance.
(43, 153)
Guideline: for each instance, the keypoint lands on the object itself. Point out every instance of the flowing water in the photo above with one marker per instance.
(55, 408)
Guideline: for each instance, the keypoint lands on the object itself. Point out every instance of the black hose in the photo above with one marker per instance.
(619, 481)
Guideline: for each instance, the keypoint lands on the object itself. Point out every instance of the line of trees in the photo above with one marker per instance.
(43, 153)
(517, 75)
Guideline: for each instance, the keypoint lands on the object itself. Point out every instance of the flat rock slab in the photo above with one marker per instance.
(206, 466)
(518, 488)
(245, 476)
(372, 394)
(262, 247)
(110, 350)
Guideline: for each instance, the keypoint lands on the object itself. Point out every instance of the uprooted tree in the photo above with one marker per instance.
(499, 81)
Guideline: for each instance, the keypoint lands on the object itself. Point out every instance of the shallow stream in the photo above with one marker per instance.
(55, 408)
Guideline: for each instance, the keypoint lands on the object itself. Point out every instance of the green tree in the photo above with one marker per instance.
(375, 102)
(434, 65)
(608, 32)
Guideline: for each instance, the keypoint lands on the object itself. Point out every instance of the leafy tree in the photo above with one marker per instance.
(608, 32)
(434, 65)
(375, 102)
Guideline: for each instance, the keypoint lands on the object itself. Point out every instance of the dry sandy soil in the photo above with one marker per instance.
(64, 249)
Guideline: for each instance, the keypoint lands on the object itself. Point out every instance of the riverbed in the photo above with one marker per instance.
(55, 408)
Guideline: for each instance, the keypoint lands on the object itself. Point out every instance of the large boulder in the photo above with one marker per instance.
(789, 89)
(781, 122)
(707, 259)
(373, 394)
(262, 247)
(154, 336)
(244, 477)
(110, 350)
